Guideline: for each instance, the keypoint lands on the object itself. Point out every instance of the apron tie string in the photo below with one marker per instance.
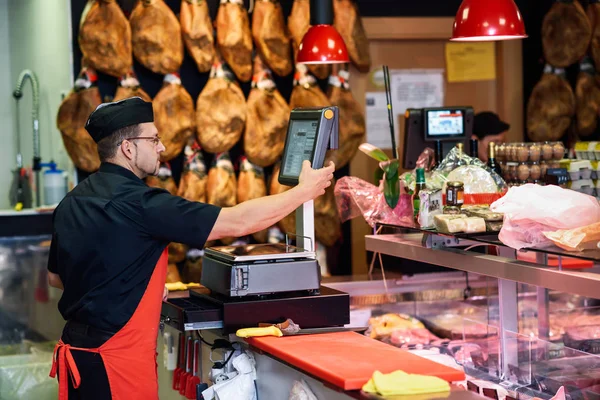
(63, 360)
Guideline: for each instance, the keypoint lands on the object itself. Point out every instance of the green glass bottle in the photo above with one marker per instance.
(420, 185)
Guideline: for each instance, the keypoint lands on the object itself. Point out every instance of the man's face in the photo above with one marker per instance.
(147, 156)
(482, 147)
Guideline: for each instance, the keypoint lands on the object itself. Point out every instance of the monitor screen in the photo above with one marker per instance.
(300, 145)
(445, 123)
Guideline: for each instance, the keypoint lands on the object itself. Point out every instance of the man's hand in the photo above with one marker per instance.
(314, 181)
(165, 294)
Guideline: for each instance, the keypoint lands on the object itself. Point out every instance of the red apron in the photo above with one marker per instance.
(132, 374)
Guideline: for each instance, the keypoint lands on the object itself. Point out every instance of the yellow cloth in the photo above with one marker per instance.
(401, 383)
(175, 286)
(267, 331)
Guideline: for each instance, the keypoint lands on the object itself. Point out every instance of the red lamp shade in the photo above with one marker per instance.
(322, 44)
(485, 20)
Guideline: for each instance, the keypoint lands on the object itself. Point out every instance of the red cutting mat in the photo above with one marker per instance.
(567, 262)
(348, 359)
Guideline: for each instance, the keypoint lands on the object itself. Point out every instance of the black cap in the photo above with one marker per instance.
(109, 117)
(488, 123)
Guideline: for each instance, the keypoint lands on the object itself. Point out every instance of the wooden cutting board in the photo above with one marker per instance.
(348, 359)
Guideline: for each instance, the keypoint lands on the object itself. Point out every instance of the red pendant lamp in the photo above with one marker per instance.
(322, 44)
(488, 20)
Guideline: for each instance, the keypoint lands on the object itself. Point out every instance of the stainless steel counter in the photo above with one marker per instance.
(410, 246)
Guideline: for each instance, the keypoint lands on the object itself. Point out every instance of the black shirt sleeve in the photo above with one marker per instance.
(52, 261)
(174, 219)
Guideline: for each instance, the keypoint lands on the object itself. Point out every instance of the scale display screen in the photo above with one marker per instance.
(301, 145)
(444, 123)
(311, 131)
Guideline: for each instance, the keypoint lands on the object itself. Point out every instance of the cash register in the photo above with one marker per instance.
(271, 282)
(439, 127)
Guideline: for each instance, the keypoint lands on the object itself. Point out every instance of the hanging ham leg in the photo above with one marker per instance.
(298, 24)
(306, 92)
(129, 86)
(593, 14)
(251, 185)
(234, 38)
(192, 185)
(177, 252)
(270, 36)
(156, 37)
(221, 187)
(164, 179)
(566, 33)
(73, 113)
(173, 116)
(267, 121)
(105, 38)
(551, 107)
(348, 23)
(220, 111)
(198, 32)
(587, 98)
(288, 223)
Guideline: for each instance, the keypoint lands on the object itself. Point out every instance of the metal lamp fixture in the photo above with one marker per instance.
(485, 20)
(322, 44)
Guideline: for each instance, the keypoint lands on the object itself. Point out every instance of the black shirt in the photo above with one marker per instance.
(109, 232)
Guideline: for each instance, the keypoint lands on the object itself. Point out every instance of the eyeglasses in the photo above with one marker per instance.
(154, 139)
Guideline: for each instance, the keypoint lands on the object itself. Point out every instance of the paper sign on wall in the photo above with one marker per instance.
(409, 89)
(471, 61)
(416, 89)
(376, 118)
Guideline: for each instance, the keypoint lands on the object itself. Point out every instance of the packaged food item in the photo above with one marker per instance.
(535, 171)
(558, 150)
(447, 223)
(430, 206)
(484, 212)
(522, 152)
(451, 210)
(543, 168)
(578, 169)
(493, 226)
(535, 152)
(547, 151)
(501, 152)
(523, 172)
(474, 225)
(583, 186)
(420, 185)
(455, 192)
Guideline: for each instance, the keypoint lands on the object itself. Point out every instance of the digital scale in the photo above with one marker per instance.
(257, 283)
(424, 126)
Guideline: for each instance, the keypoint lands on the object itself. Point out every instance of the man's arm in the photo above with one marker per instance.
(258, 214)
(54, 281)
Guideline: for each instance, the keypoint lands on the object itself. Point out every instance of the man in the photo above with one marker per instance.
(109, 255)
(487, 127)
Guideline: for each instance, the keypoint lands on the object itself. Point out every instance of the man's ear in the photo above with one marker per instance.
(126, 149)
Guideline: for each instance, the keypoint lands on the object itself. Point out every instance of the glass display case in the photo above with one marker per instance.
(521, 323)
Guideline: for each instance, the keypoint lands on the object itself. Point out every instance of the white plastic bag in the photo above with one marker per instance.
(531, 209)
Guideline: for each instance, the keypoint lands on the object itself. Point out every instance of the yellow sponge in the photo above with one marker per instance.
(401, 383)
(267, 331)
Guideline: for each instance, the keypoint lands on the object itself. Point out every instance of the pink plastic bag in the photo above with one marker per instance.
(531, 209)
(355, 197)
